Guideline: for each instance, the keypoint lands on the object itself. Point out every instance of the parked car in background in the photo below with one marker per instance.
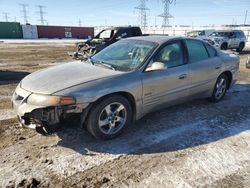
(228, 39)
(200, 33)
(123, 82)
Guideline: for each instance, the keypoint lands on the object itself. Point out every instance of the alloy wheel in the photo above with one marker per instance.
(221, 87)
(112, 118)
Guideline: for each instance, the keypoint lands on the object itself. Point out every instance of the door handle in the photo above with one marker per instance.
(183, 76)
(217, 67)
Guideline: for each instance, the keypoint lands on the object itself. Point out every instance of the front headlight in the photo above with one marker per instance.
(49, 100)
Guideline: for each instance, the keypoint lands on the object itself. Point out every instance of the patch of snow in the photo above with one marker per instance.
(7, 114)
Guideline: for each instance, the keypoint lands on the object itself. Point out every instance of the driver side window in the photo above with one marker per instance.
(171, 55)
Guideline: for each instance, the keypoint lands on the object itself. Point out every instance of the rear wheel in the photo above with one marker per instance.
(224, 46)
(220, 88)
(109, 117)
(241, 47)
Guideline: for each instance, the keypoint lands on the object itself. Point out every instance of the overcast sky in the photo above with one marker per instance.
(122, 12)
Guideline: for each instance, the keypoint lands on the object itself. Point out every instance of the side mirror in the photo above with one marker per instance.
(156, 66)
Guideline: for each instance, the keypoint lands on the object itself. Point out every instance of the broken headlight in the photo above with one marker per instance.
(50, 100)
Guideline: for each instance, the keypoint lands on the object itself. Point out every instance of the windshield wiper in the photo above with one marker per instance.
(106, 65)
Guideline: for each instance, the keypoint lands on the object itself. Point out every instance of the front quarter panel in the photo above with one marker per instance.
(90, 92)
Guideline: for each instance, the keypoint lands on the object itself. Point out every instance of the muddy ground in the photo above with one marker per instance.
(196, 144)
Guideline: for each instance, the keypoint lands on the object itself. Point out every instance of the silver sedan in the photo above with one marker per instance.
(124, 82)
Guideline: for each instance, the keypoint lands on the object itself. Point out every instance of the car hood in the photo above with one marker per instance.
(57, 78)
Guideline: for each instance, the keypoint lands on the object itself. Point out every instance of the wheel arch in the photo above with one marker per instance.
(243, 42)
(124, 94)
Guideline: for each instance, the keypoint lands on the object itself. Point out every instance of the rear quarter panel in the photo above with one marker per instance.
(231, 63)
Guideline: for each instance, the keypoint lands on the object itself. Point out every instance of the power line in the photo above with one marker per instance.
(6, 16)
(142, 13)
(166, 15)
(41, 13)
(24, 11)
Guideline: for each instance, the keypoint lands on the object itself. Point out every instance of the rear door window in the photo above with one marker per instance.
(196, 51)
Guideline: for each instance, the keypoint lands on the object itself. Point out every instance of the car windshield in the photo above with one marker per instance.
(125, 55)
(220, 34)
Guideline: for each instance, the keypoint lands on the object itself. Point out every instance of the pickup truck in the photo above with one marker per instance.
(106, 37)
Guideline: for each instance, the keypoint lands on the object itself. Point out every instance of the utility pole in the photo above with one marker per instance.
(24, 11)
(80, 23)
(166, 15)
(142, 13)
(245, 21)
(6, 16)
(41, 12)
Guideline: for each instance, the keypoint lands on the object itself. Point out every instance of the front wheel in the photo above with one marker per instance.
(109, 117)
(224, 46)
(241, 47)
(220, 88)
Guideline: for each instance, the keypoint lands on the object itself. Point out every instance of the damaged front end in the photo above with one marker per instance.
(44, 113)
(43, 120)
(86, 49)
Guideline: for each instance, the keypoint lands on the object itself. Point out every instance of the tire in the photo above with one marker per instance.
(220, 89)
(224, 46)
(109, 117)
(241, 47)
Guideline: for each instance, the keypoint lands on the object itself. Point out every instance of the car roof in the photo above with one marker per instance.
(157, 39)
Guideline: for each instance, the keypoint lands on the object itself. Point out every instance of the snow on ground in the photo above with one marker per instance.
(6, 114)
(213, 162)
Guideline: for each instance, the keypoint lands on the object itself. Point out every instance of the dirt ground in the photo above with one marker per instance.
(196, 144)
